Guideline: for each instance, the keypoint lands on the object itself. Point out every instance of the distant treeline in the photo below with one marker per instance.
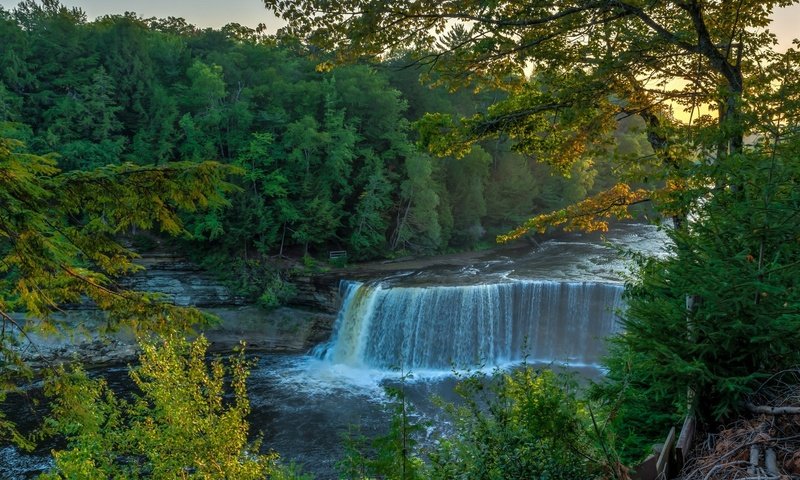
(328, 157)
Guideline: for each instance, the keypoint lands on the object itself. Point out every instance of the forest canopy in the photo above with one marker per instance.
(705, 325)
(328, 158)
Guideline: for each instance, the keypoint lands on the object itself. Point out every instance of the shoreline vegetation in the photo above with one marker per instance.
(389, 130)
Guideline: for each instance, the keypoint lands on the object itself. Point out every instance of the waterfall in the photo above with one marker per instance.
(442, 327)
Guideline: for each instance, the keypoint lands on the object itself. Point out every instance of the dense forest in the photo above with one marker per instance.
(248, 147)
(327, 159)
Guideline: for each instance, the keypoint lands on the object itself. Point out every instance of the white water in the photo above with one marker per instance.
(444, 327)
(552, 304)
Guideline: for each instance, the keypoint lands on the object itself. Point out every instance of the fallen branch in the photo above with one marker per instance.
(771, 462)
(723, 465)
(772, 410)
(755, 453)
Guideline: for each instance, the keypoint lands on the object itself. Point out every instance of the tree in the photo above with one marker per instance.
(522, 424)
(592, 61)
(418, 224)
(180, 425)
(739, 255)
(466, 181)
(58, 241)
(512, 189)
(84, 125)
(393, 455)
(369, 221)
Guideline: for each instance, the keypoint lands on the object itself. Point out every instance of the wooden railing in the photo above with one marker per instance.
(334, 254)
(669, 460)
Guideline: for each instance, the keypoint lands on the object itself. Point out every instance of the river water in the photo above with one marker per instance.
(552, 304)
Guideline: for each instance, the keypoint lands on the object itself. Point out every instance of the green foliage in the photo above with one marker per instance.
(466, 182)
(737, 262)
(329, 160)
(508, 425)
(392, 456)
(59, 243)
(522, 424)
(58, 240)
(180, 425)
(277, 292)
(512, 191)
(418, 225)
(258, 280)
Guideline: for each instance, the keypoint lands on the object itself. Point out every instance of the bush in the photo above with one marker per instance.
(179, 426)
(391, 456)
(526, 424)
(738, 260)
(519, 425)
(276, 292)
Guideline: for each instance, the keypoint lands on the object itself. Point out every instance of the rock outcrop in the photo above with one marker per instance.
(180, 281)
(318, 292)
(294, 329)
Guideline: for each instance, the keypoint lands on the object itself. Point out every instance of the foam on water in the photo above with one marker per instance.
(434, 330)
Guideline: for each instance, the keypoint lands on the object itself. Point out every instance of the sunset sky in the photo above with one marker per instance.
(208, 13)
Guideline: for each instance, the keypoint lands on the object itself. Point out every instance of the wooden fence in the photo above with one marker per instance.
(668, 459)
(334, 254)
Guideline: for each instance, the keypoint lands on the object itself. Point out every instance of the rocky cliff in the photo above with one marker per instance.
(294, 329)
(319, 292)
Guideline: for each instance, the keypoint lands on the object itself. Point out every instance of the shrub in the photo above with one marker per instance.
(180, 425)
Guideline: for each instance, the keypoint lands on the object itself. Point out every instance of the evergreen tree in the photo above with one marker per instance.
(370, 220)
(466, 180)
(84, 126)
(418, 225)
(738, 255)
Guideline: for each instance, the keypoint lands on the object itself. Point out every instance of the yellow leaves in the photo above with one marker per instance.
(59, 230)
(591, 214)
(669, 197)
(324, 67)
(177, 427)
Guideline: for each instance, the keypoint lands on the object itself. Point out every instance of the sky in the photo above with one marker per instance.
(215, 13)
(202, 13)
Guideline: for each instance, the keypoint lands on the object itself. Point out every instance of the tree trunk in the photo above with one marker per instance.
(283, 239)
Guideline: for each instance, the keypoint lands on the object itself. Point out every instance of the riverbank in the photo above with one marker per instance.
(282, 330)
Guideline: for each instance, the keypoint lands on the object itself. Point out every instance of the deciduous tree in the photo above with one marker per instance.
(58, 239)
(591, 62)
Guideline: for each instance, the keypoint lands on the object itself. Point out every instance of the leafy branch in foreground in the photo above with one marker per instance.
(58, 229)
(589, 215)
(181, 425)
(58, 241)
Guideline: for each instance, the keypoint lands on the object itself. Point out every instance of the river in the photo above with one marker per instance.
(551, 304)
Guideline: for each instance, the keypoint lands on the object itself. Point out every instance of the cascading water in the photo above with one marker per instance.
(441, 327)
(553, 303)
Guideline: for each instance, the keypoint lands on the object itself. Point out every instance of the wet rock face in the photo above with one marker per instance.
(282, 330)
(317, 292)
(182, 282)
